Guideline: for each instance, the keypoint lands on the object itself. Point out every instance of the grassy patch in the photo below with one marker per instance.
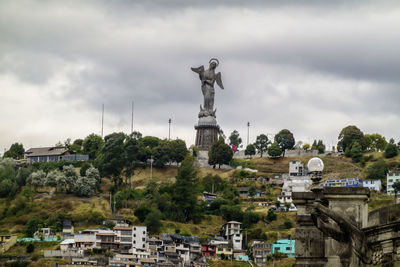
(220, 263)
(379, 200)
(209, 227)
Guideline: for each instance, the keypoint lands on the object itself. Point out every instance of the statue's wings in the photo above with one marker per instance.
(218, 80)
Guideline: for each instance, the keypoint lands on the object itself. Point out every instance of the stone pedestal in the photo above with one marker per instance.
(310, 243)
(207, 132)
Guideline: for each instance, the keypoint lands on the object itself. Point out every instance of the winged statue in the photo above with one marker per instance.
(208, 78)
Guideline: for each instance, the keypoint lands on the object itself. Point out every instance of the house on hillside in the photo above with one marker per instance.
(375, 185)
(351, 182)
(52, 154)
(45, 154)
(209, 197)
(391, 178)
(260, 251)
(232, 231)
(286, 246)
(296, 168)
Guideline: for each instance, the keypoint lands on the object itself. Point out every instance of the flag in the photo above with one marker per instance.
(234, 148)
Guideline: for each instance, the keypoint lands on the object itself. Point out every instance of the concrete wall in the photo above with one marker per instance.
(8, 244)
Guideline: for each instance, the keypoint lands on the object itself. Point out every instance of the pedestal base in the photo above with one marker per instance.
(207, 132)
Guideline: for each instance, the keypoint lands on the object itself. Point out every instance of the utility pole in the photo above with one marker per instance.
(151, 167)
(248, 130)
(132, 119)
(169, 129)
(102, 121)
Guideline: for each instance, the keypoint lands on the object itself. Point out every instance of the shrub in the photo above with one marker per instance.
(288, 224)
(30, 248)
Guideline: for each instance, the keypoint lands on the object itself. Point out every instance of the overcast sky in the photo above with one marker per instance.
(312, 67)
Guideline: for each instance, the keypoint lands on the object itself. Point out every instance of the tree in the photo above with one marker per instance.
(320, 147)
(76, 147)
(375, 142)
(62, 183)
(93, 173)
(306, 147)
(271, 216)
(92, 145)
(16, 151)
(220, 153)
(162, 153)
(141, 212)
(262, 144)
(356, 151)
(153, 222)
(112, 159)
(250, 150)
(30, 248)
(37, 179)
(51, 178)
(288, 224)
(275, 150)
(285, 140)
(234, 139)
(391, 150)
(348, 136)
(376, 170)
(32, 226)
(178, 150)
(71, 176)
(252, 191)
(22, 176)
(184, 194)
(85, 186)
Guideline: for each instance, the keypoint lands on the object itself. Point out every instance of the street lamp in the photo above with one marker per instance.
(248, 129)
(151, 167)
(169, 129)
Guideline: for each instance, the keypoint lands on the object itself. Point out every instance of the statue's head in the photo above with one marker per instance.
(214, 63)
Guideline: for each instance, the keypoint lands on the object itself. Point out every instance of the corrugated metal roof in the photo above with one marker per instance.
(45, 151)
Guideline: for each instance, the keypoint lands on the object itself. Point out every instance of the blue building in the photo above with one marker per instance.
(351, 182)
(285, 246)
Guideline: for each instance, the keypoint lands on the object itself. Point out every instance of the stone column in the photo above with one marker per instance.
(352, 202)
(310, 244)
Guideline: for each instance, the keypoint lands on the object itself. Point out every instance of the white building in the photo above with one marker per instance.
(124, 237)
(373, 185)
(231, 231)
(391, 178)
(139, 236)
(296, 168)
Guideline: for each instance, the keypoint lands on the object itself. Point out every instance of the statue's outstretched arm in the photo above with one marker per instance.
(219, 80)
(198, 70)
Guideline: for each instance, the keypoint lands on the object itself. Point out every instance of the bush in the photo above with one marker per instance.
(391, 151)
(377, 170)
(84, 167)
(271, 216)
(288, 224)
(153, 222)
(142, 212)
(30, 248)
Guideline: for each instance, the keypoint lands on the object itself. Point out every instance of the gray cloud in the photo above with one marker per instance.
(310, 66)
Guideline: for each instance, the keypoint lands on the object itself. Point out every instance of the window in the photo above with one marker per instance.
(143, 239)
(288, 248)
(237, 241)
(390, 180)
